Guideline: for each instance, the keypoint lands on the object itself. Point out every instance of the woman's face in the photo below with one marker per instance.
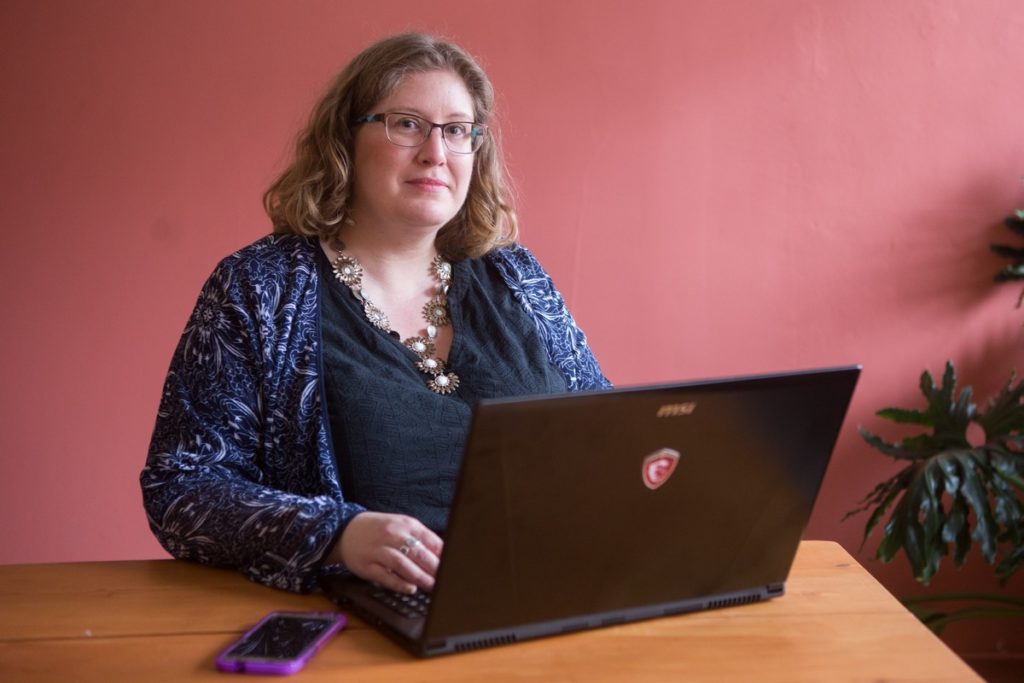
(419, 188)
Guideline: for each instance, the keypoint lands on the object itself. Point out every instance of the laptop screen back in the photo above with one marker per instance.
(564, 508)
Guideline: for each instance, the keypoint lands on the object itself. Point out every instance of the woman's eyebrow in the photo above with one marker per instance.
(457, 115)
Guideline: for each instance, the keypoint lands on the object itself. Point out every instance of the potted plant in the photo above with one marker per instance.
(1015, 270)
(950, 492)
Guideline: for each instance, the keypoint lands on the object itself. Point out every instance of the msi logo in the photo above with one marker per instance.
(659, 466)
(676, 409)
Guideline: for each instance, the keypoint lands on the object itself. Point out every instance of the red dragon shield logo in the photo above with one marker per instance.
(659, 466)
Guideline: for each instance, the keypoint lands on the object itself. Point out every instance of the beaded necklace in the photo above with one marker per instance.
(349, 272)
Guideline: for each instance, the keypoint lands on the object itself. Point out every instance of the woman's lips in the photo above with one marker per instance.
(428, 183)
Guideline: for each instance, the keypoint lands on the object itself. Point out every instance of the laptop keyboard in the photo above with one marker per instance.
(410, 606)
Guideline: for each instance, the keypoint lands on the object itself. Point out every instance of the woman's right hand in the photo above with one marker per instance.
(395, 551)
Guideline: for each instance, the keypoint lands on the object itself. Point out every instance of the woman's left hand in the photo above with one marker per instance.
(395, 551)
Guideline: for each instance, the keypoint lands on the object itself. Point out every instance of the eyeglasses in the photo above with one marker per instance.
(409, 130)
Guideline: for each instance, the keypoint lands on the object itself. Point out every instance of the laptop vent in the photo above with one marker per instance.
(732, 602)
(485, 642)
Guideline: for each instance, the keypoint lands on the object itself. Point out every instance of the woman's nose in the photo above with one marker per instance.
(433, 151)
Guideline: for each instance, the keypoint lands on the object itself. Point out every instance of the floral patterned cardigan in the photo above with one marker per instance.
(240, 470)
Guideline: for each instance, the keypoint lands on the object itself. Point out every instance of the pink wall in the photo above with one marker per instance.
(719, 187)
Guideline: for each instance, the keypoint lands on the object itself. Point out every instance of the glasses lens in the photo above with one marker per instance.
(479, 135)
(459, 137)
(406, 130)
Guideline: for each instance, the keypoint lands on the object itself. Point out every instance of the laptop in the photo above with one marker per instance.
(577, 511)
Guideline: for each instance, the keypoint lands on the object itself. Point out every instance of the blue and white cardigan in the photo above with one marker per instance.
(240, 470)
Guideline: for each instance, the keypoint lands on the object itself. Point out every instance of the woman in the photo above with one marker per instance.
(317, 403)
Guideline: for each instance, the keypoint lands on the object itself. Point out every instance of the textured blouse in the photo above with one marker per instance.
(397, 443)
(241, 470)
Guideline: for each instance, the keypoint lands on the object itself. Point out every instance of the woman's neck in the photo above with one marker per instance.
(396, 266)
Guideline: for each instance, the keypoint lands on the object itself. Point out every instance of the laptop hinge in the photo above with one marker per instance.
(435, 645)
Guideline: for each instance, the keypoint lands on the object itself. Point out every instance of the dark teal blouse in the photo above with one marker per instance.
(398, 444)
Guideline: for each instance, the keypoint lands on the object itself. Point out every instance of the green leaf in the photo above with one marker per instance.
(1004, 414)
(890, 449)
(893, 487)
(904, 416)
(1011, 563)
(951, 493)
(913, 546)
(924, 523)
(937, 623)
(977, 497)
(1015, 223)
(955, 523)
(948, 384)
(1013, 536)
(1007, 251)
(930, 506)
(903, 530)
(1014, 271)
(986, 598)
(950, 415)
(1014, 481)
(963, 410)
(958, 531)
(1008, 510)
(922, 445)
(893, 533)
(927, 384)
(951, 472)
(1012, 442)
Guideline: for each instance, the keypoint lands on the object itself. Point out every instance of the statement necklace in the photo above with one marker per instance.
(350, 273)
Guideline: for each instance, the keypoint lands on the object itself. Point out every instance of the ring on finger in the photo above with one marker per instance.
(410, 543)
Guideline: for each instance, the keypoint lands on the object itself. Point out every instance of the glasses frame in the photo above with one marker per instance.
(477, 130)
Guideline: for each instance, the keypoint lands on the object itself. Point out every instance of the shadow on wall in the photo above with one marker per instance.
(958, 271)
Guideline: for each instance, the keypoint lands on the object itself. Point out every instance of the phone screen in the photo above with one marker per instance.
(281, 641)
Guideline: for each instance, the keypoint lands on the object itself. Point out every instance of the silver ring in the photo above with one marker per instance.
(410, 543)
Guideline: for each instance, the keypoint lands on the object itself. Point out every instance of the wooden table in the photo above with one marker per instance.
(165, 620)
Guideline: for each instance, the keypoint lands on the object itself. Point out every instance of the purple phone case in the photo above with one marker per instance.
(256, 665)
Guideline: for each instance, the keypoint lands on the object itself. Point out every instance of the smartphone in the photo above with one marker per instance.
(281, 643)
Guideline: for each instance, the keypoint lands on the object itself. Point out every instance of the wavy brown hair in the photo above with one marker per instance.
(312, 196)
